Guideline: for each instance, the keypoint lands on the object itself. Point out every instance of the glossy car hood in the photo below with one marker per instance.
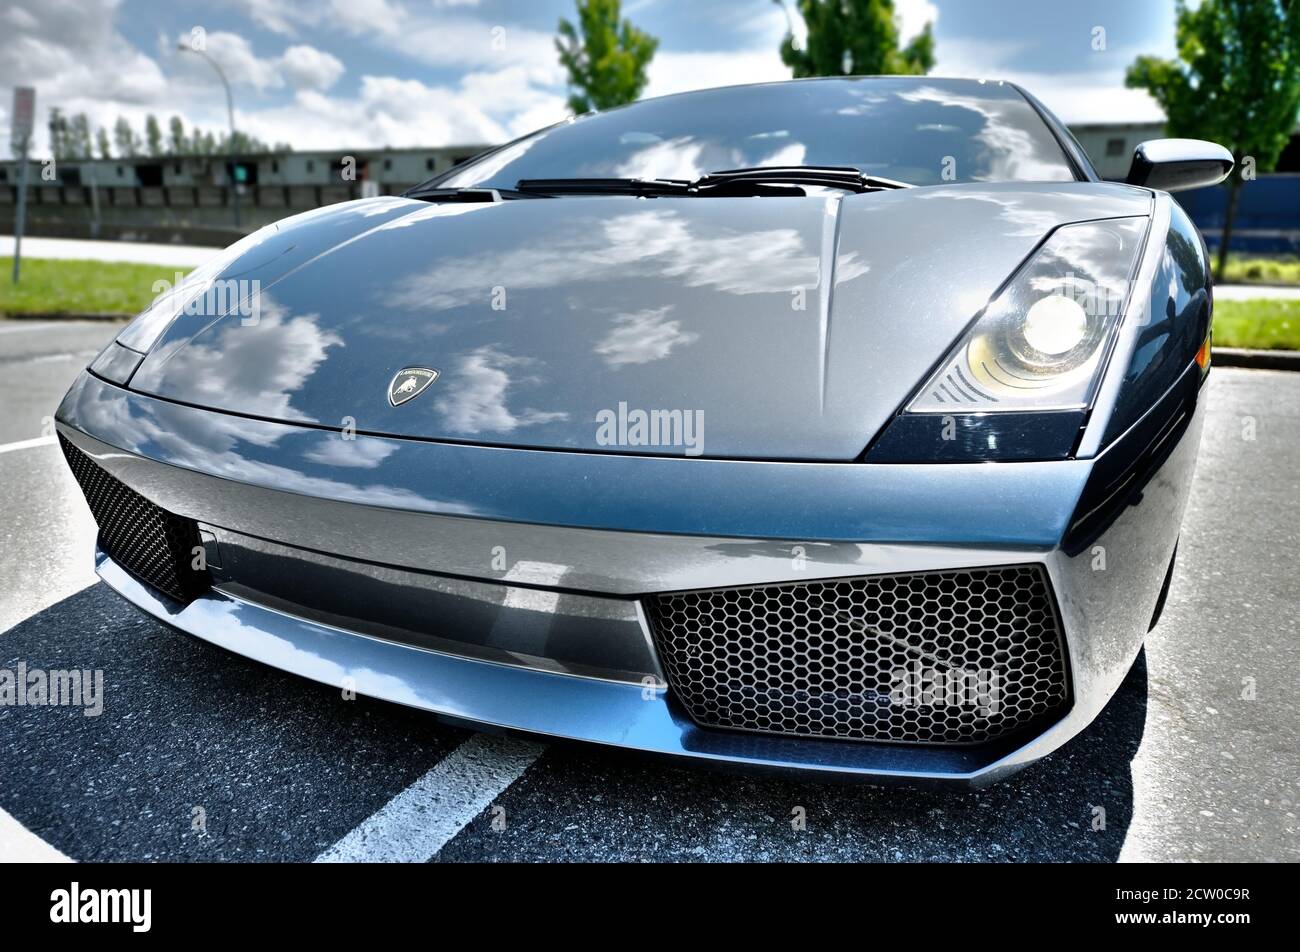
(780, 328)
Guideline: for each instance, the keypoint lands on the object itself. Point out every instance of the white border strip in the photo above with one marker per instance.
(420, 820)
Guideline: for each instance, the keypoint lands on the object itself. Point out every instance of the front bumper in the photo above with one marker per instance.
(579, 538)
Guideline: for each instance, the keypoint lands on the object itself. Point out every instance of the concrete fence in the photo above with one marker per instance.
(187, 214)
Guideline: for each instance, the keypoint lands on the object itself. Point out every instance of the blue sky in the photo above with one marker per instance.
(366, 73)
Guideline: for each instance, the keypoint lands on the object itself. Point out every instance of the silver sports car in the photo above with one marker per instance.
(840, 425)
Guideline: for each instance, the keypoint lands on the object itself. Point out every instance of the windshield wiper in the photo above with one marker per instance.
(465, 194)
(783, 180)
(824, 176)
(604, 186)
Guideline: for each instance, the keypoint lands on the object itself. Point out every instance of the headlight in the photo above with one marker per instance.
(1041, 343)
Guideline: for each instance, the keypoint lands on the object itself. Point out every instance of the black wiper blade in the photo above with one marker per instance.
(465, 194)
(604, 186)
(826, 176)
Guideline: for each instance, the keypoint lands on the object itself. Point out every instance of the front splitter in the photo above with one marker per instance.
(559, 706)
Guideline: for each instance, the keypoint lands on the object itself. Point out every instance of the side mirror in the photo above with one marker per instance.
(1174, 165)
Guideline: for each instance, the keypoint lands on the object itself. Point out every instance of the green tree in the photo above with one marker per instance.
(125, 140)
(79, 144)
(606, 57)
(176, 143)
(58, 126)
(102, 144)
(153, 139)
(1236, 81)
(855, 37)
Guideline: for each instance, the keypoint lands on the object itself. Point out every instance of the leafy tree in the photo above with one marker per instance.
(176, 143)
(102, 144)
(79, 144)
(1236, 81)
(153, 135)
(855, 37)
(606, 58)
(58, 127)
(125, 140)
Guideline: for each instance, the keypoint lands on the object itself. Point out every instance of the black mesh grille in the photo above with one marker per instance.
(939, 658)
(148, 541)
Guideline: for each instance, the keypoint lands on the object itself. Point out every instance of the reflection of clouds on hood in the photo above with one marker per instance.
(222, 445)
(478, 403)
(1021, 209)
(642, 337)
(255, 365)
(1015, 153)
(333, 450)
(657, 242)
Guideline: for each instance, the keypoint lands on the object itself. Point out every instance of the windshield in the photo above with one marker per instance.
(913, 129)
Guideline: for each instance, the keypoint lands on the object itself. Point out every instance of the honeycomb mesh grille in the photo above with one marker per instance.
(937, 658)
(148, 541)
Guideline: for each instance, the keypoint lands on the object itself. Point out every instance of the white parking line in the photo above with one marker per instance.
(20, 845)
(26, 444)
(419, 821)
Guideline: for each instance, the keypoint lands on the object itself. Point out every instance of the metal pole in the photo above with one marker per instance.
(230, 112)
(234, 152)
(94, 198)
(21, 215)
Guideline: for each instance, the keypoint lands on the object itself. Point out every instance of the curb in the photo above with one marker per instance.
(1255, 359)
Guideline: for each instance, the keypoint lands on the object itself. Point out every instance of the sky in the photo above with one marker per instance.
(324, 74)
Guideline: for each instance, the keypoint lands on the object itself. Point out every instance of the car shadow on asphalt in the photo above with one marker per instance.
(198, 754)
(284, 767)
(578, 803)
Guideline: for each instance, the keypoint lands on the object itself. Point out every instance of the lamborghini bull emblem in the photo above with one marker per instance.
(409, 383)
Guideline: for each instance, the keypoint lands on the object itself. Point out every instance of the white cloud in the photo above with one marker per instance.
(235, 55)
(671, 72)
(386, 111)
(310, 68)
(913, 15)
(1078, 97)
(495, 85)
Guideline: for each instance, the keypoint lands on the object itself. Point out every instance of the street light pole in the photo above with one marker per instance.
(230, 112)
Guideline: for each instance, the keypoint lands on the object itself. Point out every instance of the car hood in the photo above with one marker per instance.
(761, 328)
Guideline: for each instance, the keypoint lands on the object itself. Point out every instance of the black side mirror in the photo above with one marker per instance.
(1174, 165)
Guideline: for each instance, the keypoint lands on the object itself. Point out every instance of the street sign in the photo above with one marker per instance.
(24, 113)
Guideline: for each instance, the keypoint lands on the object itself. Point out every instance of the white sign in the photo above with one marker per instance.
(24, 113)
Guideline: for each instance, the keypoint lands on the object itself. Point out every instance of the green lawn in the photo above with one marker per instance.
(79, 287)
(1242, 270)
(1260, 325)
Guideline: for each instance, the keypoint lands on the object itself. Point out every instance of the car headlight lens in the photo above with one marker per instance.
(1041, 343)
(1054, 325)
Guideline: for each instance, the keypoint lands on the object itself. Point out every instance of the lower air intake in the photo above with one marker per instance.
(936, 658)
(149, 542)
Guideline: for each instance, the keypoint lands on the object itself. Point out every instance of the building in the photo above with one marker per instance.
(189, 198)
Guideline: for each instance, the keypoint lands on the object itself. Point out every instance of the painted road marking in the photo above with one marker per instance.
(27, 444)
(420, 820)
(20, 845)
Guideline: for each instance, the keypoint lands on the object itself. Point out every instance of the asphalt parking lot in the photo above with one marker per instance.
(201, 755)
